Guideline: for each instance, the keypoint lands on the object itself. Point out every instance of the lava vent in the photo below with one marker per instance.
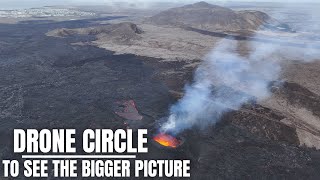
(167, 140)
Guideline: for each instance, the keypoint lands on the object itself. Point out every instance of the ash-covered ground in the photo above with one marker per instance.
(46, 82)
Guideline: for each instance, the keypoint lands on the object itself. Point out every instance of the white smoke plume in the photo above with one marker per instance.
(225, 80)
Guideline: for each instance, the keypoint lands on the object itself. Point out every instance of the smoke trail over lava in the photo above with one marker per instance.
(223, 82)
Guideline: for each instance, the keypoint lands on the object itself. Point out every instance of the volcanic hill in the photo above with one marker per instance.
(118, 32)
(210, 17)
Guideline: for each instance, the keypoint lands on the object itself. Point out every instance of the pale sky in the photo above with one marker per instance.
(38, 3)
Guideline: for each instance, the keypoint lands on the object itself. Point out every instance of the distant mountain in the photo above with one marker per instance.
(120, 32)
(210, 17)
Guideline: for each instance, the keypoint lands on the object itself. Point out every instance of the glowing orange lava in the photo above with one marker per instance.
(166, 140)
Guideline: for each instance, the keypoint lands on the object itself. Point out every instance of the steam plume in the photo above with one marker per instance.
(225, 80)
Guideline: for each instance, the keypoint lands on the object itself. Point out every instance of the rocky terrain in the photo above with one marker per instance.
(87, 74)
(172, 41)
(118, 33)
(153, 41)
(184, 40)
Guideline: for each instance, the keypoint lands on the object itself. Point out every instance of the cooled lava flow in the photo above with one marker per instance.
(167, 140)
(128, 110)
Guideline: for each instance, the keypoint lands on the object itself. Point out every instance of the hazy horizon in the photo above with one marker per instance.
(18, 4)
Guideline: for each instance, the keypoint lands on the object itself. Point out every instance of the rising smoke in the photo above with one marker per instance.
(225, 80)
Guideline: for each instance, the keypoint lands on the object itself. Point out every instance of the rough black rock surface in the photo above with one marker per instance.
(49, 83)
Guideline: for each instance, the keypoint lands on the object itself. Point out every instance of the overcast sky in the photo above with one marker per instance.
(4, 4)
